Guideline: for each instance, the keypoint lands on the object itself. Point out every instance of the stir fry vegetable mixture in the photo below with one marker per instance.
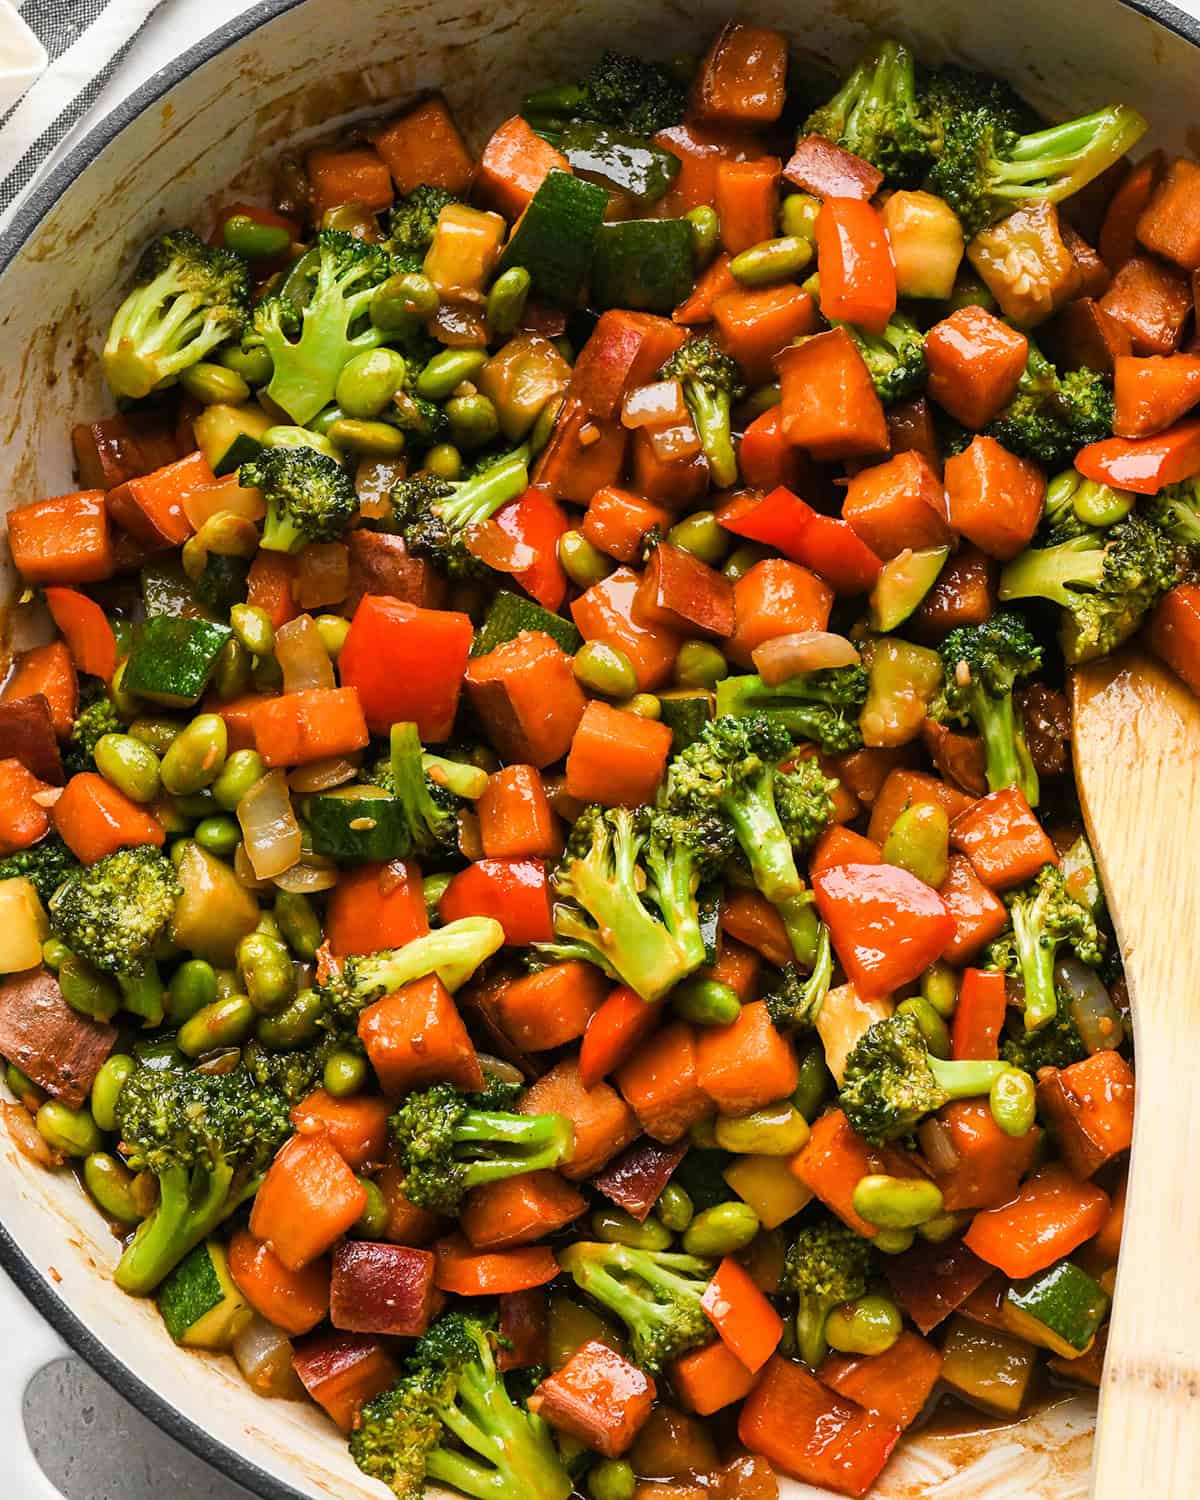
(542, 891)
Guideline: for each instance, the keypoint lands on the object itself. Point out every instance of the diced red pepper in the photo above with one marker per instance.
(514, 891)
(407, 664)
(827, 545)
(538, 521)
(858, 275)
(979, 1015)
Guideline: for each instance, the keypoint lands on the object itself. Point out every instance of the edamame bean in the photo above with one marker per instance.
(367, 383)
(71, 1131)
(1013, 1102)
(196, 756)
(741, 560)
(700, 535)
(611, 1479)
(267, 674)
(674, 1207)
(284, 436)
(196, 805)
(706, 232)
(645, 705)
(298, 923)
(894, 1241)
(268, 923)
(224, 1023)
(775, 1130)
(54, 951)
(375, 439)
(939, 985)
(896, 1202)
(402, 301)
(446, 371)
(156, 734)
(1100, 505)
(543, 427)
(706, 1002)
(433, 888)
(239, 773)
(815, 1083)
(294, 1025)
(919, 842)
(871, 1325)
(352, 218)
(933, 1028)
(616, 1227)
(266, 970)
(583, 564)
(114, 1073)
(374, 1218)
(253, 628)
(943, 1227)
(214, 385)
(228, 535)
(220, 835)
(506, 301)
(234, 670)
(445, 461)
(345, 1074)
(722, 1229)
(700, 665)
(474, 420)
(254, 240)
(762, 398)
(333, 630)
(86, 990)
(798, 215)
(111, 1184)
(601, 668)
(772, 260)
(255, 366)
(22, 1087)
(129, 765)
(193, 986)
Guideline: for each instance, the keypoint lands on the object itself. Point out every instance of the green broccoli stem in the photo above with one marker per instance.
(1066, 156)
(1007, 755)
(529, 1143)
(673, 873)
(477, 500)
(711, 411)
(811, 1314)
(518, 1444)
(773, 864)
(452, 952)
(466, 781)
(1035, 956)
(142, 992)
(966, 1079)
(176, 1226)
(1054, 572)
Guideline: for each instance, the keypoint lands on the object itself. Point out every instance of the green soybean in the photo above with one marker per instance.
(706, 233)
(616, 1227)
(762, 398)
(114, 1074)
(700, 665)
(723, 1229)
(771, 261)
(233, 671)
(1100, 505)
(374, 439)
(224, 1023)
(702, 536)
(506, 301)
(1013, 1102)
(446, 371)
(54, 951)
(255, 366)
(919, 842)
(798, 215)
(367, 382)
(604, 669)
(292, 1026)
(267, 975)
(345, 1074)
(583, 564)
(267, 675)
(894, 1241)
(111, 1184)
(214, 385)
(674, 1208)
(193, 986)
(402, 301)
(254, 240)
(239, 773)
(815, 1083)
(543, 427)
(156, 734)
(774, 1130)
(896, 1202)
(220, 835)
(943, 1227)
(20, 1085)
(474, 420)
(939, 986)
(333, 630)
(445, 461)
(253, 628)
(871, 1325)
(86, 990)
(299, 924)
(933, 1028)
(374, 1218)
(72, 1131)
(645, 705)
(612, 1479)
(706, 1002)
(741, 560)
(196, 756)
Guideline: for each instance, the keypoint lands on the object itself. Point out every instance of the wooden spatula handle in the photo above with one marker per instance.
(1137, 751)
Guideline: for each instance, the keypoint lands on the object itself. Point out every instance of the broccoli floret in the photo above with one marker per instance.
(187, 298)
(895, 357)
(424, 422)
(450, 1419)
(876, 115)
(92, 722)
(332, 326)
(983, 663)
(414, 218)
(207, 1138)
(1106, 581)
(795, 1003)
(1057, 1044)
(430, 804)
(310, 497)
(826, 1264)
(626, 92)
(804, 801)
(892, 1080)
(452, 952)
(602, 915)
(822, 706)
(113, 913)
(986, 169)
(1175, 510)
(1052, 416)
(712, 382)
(655, 1294)
(46, 865)
(682, 854)
(1044, 917)
(946, 94)
(293, 1074)
(449, 1142)
(434, 515)
(731, 769)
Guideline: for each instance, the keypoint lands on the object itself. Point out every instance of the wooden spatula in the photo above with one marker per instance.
(1137, 759)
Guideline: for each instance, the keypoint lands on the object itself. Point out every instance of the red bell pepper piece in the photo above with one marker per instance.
(886, 925)
(825, 544)
(749, 1326)
(858, 275)
(85, 628)
(979, 1016)
(1174, 633)
(615, 1031)
(1051, 1216)
(1143, 465)
(514, 891)
(538, 521)
(407, 664)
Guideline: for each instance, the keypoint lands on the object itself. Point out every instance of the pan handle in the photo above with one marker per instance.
(29, 1344)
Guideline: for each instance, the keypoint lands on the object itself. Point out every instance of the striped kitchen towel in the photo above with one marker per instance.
(85, 39)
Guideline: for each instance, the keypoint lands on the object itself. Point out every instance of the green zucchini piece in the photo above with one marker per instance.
(1060, 1309)
(358, 823)
(554, 238)
(644, 264)
(685, 713)
(902, 583)
(172, 659)
(199, 1303)
(631, 163)
(510, 614)
(229, 436)
(223, 582)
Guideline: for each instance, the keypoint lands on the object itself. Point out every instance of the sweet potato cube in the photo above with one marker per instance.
(597, 1397)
